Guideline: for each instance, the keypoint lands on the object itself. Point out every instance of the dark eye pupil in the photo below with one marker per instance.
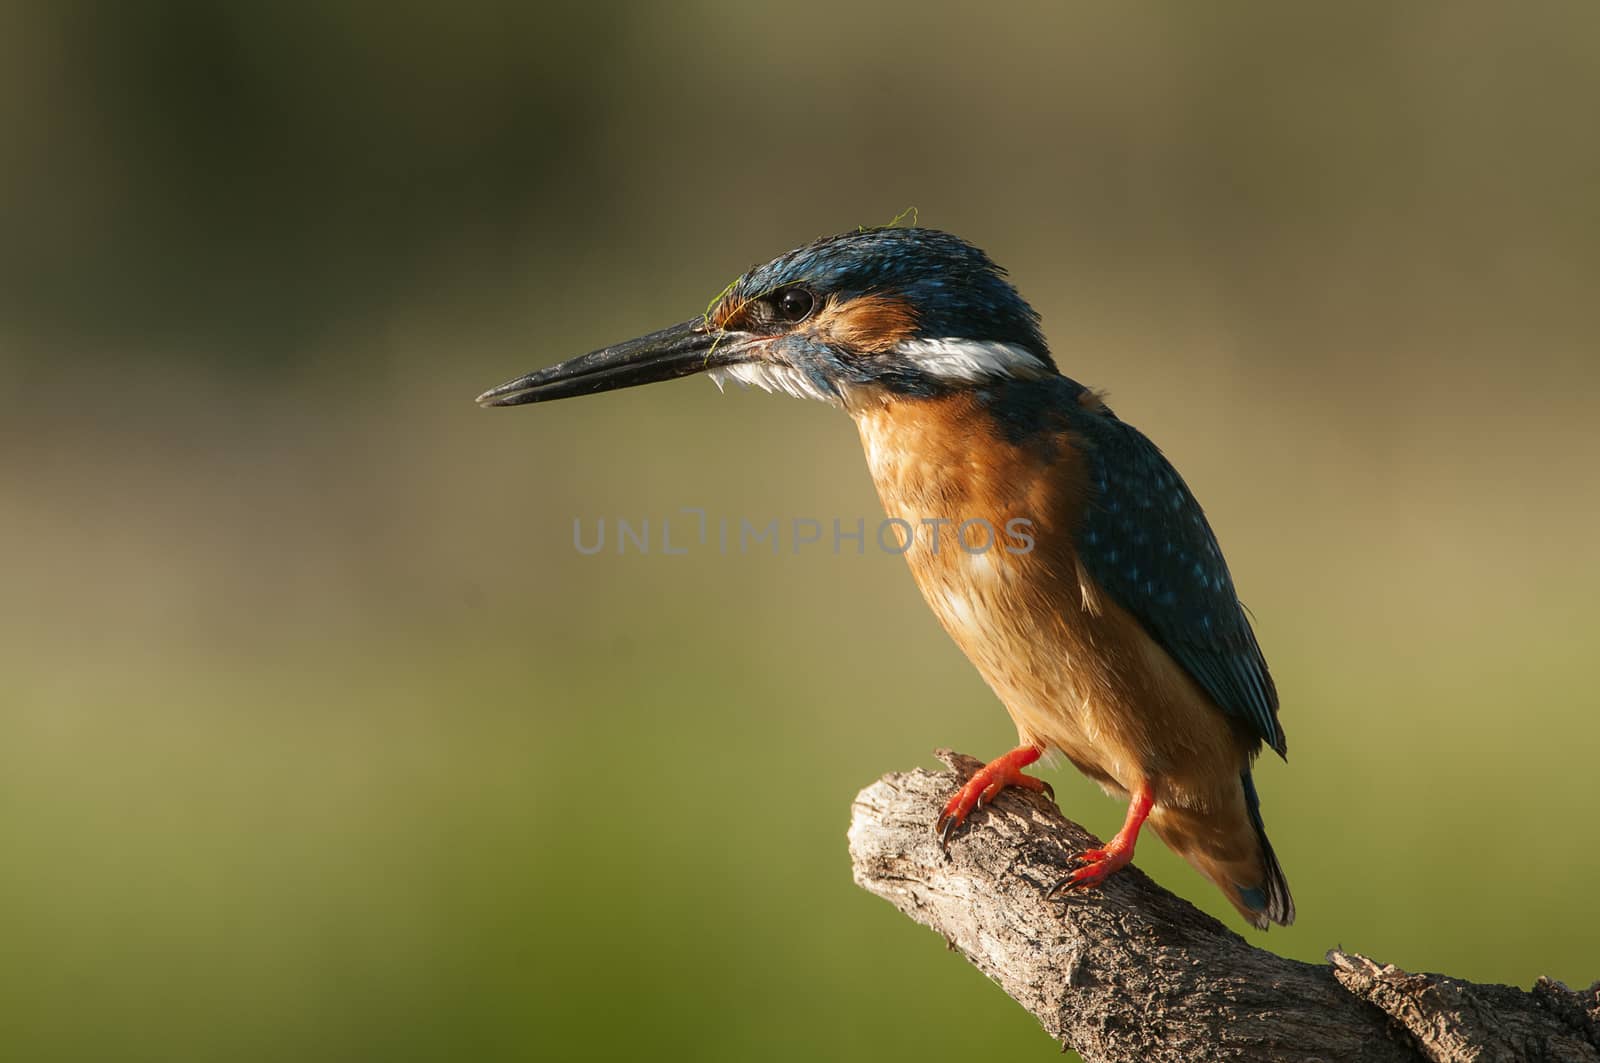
(795, 304)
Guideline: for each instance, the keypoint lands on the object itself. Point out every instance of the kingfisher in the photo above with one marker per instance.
(1107, 623)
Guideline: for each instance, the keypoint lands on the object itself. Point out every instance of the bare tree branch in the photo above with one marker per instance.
(1131, 972)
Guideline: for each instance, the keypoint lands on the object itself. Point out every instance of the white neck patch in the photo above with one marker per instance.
(972, 361)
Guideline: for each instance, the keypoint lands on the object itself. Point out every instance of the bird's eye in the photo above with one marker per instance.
(795, 304)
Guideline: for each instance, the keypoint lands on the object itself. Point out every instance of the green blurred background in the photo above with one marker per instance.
(319, 741)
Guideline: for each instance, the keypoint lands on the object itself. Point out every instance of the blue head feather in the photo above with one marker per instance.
(955, 289)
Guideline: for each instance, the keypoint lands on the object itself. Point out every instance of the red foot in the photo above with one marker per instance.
(1101, 864)
(985, 784)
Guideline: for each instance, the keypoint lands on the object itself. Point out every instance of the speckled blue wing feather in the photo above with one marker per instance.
(1145, 541)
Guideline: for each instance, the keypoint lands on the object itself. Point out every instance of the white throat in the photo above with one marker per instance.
(966, 361)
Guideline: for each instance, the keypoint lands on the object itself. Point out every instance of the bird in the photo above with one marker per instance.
(1108, 626)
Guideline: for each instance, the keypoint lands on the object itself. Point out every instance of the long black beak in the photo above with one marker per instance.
(681, 350)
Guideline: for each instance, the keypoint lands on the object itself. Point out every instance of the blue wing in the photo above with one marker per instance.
(1145, 541)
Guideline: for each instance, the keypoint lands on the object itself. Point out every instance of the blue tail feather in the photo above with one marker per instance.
(1273, 896)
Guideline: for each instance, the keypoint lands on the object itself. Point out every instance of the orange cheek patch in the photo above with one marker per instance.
(725, 313)
(872, 323)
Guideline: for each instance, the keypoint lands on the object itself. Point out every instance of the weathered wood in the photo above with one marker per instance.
(1455, 1021)
(1131, 972)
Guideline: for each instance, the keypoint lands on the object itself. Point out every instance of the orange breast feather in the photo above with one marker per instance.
(1076, 672)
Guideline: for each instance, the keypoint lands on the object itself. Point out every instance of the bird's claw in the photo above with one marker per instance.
(982, 788)
(1094, 867)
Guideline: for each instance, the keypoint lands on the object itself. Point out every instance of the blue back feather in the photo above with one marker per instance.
(1145, 541)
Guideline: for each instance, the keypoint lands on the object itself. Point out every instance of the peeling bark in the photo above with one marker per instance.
(1130, 972)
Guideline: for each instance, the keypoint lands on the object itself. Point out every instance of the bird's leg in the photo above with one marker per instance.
(1100, 864)
(985, 784)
